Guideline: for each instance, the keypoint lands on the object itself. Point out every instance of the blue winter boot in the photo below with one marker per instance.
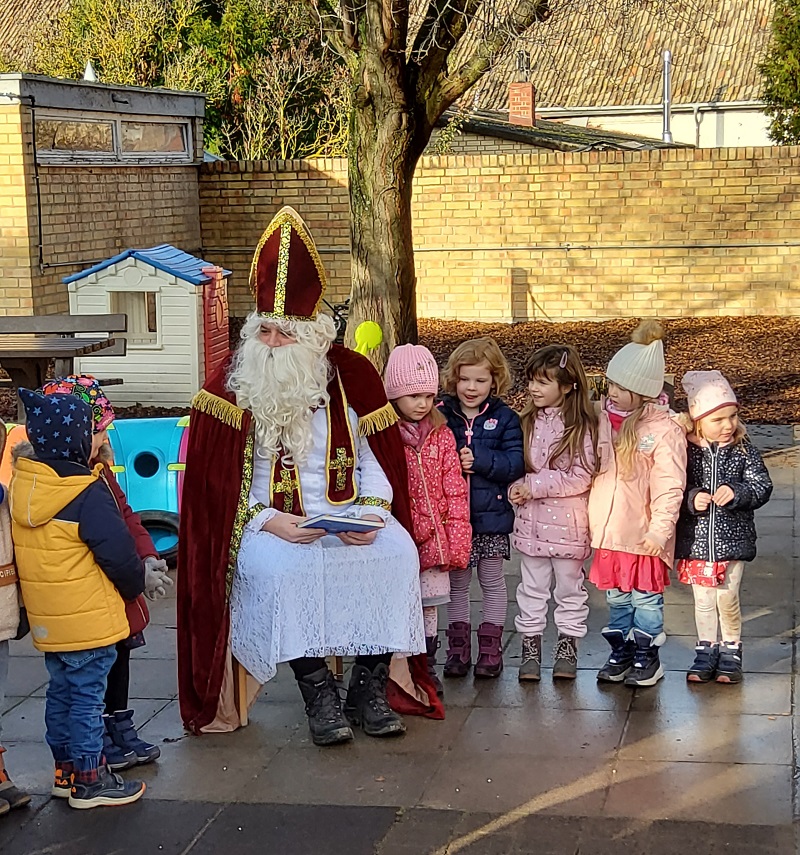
(620, 662)
(704, 667)
(122, 731)
(117, 759)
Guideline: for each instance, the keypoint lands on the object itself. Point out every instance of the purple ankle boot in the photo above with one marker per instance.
(490, 651)
(459, 650)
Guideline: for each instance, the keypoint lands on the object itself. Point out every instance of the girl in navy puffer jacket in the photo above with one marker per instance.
(489, 441)
(726, 480)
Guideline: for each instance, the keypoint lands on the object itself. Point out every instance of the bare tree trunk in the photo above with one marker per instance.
(385, 143)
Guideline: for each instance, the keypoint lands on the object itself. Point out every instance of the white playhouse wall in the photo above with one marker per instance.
(166, 372)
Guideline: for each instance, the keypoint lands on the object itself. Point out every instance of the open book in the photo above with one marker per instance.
(336, 525)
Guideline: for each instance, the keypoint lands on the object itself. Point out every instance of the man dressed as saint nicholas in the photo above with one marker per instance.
(295, 426)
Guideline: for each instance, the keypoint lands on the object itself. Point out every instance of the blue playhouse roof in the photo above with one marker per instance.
(164, 257)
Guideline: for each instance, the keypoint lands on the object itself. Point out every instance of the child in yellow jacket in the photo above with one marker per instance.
(76, 562)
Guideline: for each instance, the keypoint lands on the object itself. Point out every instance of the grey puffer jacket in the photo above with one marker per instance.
(722, 533)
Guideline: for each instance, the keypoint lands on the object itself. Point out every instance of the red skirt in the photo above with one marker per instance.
(628, 572)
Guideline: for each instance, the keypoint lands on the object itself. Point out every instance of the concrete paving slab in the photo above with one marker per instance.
(500, 782)
(190, 772)
(160, 827)
(275, 830)
(537, 732)
(25, 677)
(758, 694)
(661, 735)
(583, 693)
(712, 792)
(153, 678)
(356, 773)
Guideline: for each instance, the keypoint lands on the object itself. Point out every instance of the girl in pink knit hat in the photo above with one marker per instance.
(438, 492)
(726, 480)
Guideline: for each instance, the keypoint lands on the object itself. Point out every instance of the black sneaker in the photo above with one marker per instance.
(729, 667)
(366, 704)
(530, 668)
(620, 661)
(326, 722)
(647, 669)
(103, 789)
(706, 656)
(565, 655)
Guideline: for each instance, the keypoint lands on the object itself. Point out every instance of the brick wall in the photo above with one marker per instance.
(16, 211)
(90, 213)
(545, 235)
(465, 143)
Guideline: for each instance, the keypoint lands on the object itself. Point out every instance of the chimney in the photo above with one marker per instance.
(522, 104)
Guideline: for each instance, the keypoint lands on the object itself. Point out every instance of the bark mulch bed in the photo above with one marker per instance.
(760, 356)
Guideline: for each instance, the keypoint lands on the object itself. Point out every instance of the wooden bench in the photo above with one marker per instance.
(28, 343)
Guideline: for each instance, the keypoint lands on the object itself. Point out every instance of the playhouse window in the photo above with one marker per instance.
(61, 135)
(141, 307)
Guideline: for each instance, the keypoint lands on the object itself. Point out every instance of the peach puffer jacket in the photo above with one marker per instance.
(439, 496)
(554, 523)
(623, 511)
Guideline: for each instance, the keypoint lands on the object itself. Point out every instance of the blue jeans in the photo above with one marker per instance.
(74, 710)
(635, 609)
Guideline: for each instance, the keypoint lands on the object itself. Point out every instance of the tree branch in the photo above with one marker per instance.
(449, 88)
(443, 27)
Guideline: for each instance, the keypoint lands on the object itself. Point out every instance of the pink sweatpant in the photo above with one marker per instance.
(533, 595)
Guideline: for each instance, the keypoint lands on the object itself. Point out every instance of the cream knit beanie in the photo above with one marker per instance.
(639, 366)
(411, 370)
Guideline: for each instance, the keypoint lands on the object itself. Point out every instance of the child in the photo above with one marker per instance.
(438, 492)
(726, 480)
(489, 442)
(10, 796)
(76, 562)
(552, 525)
(122, 746)
(634, 505)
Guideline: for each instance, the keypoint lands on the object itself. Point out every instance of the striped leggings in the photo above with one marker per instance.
(493, 586)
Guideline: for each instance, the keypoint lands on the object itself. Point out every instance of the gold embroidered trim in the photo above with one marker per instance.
(219, 408)
(353, 445)
(288, 215)
(290, 481)
(374, 502)
(242, 515)
(377, 421)
(283, 270)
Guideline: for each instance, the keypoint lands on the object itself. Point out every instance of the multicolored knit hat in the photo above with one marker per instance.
(85, 387)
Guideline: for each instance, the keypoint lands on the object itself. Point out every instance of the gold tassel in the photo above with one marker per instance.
(219, 408)
(377, 421)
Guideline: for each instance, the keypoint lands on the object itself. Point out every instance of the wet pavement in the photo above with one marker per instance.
(548, 768)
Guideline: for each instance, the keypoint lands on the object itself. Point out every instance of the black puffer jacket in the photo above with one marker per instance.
(722, 533)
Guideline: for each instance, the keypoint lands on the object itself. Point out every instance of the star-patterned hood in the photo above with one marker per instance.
(59, 426)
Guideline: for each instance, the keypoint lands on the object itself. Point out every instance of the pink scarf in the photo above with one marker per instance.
(414, 434)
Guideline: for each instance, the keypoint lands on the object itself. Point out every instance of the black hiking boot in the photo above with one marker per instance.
(530, 666)
(565, 655)
(326, 722)
(431, 646)
(366, 704)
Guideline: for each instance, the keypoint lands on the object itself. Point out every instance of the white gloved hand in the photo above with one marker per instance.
(156, 580)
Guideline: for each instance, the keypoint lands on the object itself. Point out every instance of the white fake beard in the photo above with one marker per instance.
(281, 386)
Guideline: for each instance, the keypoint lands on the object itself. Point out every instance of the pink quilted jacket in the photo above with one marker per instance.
(439, 496)
(555, 522)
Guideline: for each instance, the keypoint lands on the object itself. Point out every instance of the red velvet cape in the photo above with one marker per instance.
(212, 484)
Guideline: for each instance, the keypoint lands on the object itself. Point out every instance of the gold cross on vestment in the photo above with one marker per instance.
(341, 463)
(287, 486)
